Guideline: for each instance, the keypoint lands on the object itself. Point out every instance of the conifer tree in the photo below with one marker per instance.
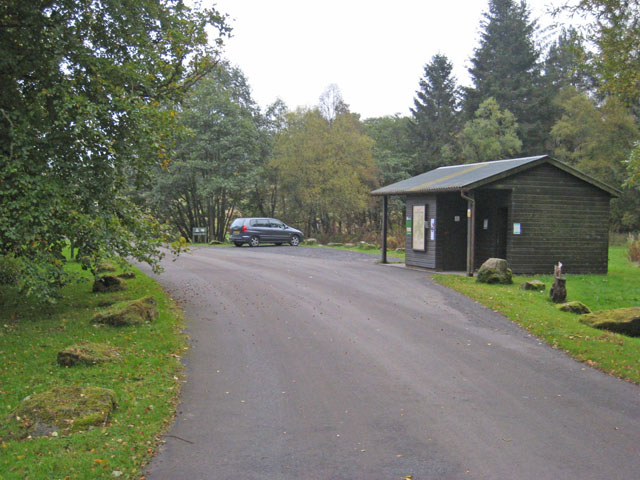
(506, 67)
(435, 115)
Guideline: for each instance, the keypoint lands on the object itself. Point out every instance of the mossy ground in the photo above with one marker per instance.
(146, 379)
(611, 352)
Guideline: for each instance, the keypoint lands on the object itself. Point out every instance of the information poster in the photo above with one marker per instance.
(418, 228)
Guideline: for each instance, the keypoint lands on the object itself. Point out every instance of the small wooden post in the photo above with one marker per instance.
(384, 229)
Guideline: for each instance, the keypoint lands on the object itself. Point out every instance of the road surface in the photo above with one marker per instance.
(320, 364)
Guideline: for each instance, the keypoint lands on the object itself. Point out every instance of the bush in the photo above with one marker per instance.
(633, 249)
(10, 269)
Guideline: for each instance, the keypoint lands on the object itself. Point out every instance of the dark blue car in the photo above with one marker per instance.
(255, 231)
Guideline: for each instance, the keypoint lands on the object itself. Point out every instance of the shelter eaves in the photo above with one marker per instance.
(473, 175)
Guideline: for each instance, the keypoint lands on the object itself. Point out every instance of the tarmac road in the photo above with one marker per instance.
(319, 364)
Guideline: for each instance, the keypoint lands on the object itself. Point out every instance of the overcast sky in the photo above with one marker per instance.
(374, 50)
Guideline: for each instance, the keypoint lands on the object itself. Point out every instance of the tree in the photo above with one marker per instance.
(564, 64)
(598, 140)
(435, 115)
(393, 151)
(331, 103)
(615, 31)
(82, 89)
(506, 67)
(492, 135)
(216, 163)
(326, 170)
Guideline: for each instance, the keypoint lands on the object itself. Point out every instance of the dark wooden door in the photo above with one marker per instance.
(502, 229)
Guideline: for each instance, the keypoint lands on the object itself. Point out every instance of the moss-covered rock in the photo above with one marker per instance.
(621, 320)
(574, 307)
(310, 241)
(127, 275)
(108, 284)
(106, 267)
(495, 270)
(535, 285)
(64, 410)
(87, 353)
(134, 312)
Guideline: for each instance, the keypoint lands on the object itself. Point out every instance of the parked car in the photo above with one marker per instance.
(255, 231)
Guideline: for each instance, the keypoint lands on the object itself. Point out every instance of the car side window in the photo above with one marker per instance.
(276, 224)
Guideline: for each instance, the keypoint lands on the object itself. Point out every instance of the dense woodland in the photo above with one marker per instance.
(314, 167)
(122, 126)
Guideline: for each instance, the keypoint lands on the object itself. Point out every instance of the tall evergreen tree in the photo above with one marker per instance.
(506, 67)
(435, 115)
(564, 65)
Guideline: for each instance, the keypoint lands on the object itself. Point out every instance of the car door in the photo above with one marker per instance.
(278, 231)
(260, 227)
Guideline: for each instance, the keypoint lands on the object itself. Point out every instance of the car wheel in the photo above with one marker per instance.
(254, 241)
(295, 241)
(237, 244)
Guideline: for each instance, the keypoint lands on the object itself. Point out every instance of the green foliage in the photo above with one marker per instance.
(10, 270)
(633, 167)
(392, 150)
(217, 161)
(608, 351)
(615, 31)
(81, 122)
(146, 380)
(491, 135)
(565, 63)
(326, 169)
(506, 67)
(435, 116)
(598, 140)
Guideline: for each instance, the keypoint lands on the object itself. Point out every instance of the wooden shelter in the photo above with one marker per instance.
(532, 211)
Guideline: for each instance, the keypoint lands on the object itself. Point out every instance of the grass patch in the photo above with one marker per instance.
(611, 352)
(145, 379)
(376, 251)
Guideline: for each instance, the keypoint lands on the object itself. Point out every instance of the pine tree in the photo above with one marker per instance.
(435, 116)
(506, 67)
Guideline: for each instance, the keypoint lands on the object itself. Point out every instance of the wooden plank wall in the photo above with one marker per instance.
(562, 218)
(416, 258)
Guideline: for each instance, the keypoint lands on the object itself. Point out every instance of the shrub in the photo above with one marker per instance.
(10, 269)
(634, 248)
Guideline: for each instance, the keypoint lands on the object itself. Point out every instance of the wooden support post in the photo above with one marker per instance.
(384, 229)
(471, 237)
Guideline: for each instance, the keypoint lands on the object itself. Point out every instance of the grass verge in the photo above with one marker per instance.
(146, 380)
(610, 352)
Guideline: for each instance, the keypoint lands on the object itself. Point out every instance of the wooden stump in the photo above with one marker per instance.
(558, 290)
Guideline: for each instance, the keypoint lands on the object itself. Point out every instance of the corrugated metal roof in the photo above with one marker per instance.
(468, 176)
